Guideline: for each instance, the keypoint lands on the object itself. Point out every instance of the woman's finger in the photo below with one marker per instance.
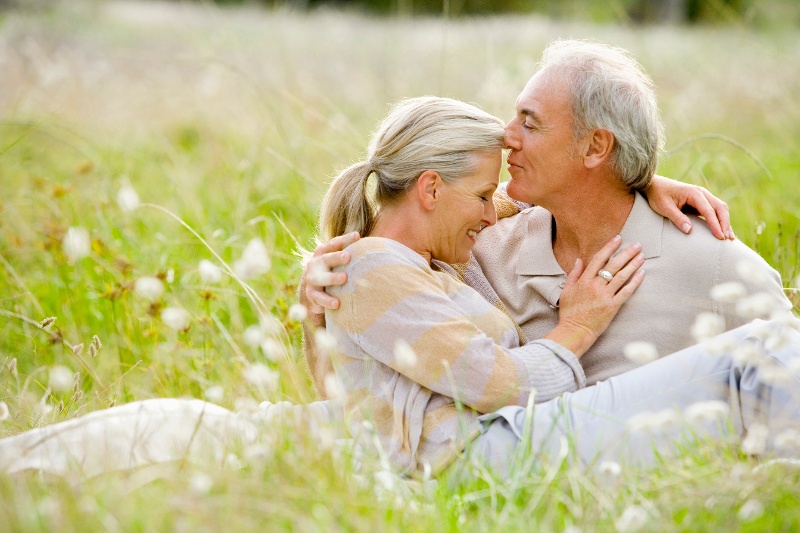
(625, 292)
(698, 200)
(626, 272)
(334, 259)
(677, 217)
(574, 274)
(337, 244)
(600, 259)
(722, 212)
(616, 263)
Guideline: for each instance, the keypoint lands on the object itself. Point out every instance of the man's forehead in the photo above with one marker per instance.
(531, 89)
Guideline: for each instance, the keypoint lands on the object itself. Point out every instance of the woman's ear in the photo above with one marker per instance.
(429, 189)
(598, 148)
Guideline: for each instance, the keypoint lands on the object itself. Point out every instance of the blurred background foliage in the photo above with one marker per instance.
(750, 13)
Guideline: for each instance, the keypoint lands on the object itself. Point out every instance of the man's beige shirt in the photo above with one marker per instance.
(516, 257)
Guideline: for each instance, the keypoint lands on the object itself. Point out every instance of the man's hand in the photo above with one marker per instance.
(318, 275)
(667, 197)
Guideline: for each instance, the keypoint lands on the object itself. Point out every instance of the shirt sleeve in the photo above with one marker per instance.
(737, 262)
(389, 298)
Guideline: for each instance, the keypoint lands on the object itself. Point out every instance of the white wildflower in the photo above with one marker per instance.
(4, 412)
(76, 244)
(253, 336)
(298, 312)
(756, 306)
(641, 352)
(385, 480)
(707, 412)
(633, 518)
(255, 260)
(170, 277)
(788, 439)
(610, 469)
(325, 341)
(780, 338)
(317, 273)
(272, 349)
(719, 345)
(149, 288)
(200, 483)
(729, 292)
(748, 353)
(128, 199)
(752, 272)
(707, 325)
(233, 462)
(245, 406)
(262, 376)
(750, 510)
(176, 318)
(404, 355)
(793, 365)
(755, 442)
(653, 422)
(61, 378)
(209, 272)
(215, 394)
(270, 325)
(785, 318)
(77, 349)
(334, 390)
(775, 375)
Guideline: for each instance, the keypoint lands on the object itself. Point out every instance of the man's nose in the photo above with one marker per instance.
(512, 140)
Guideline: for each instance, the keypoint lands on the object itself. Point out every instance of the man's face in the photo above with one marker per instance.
(543, 160)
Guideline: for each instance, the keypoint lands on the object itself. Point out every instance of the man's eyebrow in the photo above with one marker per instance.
(530, 113)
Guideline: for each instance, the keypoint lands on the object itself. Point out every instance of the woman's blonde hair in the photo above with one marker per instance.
(426, 133)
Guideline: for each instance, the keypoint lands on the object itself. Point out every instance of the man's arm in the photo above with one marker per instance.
(764, 293)
(316, 276)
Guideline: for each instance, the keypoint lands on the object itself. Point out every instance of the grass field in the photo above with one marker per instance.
(232, 121)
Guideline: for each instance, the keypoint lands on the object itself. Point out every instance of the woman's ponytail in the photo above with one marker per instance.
(346, 206)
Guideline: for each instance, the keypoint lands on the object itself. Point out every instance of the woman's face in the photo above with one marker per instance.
(465, 209)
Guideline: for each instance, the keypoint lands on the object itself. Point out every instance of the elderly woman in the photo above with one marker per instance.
(435, 367)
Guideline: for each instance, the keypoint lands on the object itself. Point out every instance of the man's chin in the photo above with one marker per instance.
(518, 192)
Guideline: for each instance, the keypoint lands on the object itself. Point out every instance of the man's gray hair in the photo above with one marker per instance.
(611, 91)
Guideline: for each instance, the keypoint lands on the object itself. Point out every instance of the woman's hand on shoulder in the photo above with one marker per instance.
(666, 197)
(318, 275)
(590, 301)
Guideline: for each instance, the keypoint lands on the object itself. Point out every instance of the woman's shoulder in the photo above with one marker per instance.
(382, 250)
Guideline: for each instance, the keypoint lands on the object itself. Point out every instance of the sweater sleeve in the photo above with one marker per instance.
(389, 298)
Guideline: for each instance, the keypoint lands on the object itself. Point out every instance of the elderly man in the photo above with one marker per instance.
(583, 145)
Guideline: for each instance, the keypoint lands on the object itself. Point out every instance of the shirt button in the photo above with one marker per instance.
(561, 284)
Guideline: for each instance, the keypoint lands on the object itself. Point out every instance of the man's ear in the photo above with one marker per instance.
(599, 144)
(429, 189)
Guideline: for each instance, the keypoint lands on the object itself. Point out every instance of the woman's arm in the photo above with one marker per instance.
(390, 299)
(667, 197)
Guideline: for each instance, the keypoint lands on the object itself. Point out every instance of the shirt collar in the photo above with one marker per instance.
(536, 252)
